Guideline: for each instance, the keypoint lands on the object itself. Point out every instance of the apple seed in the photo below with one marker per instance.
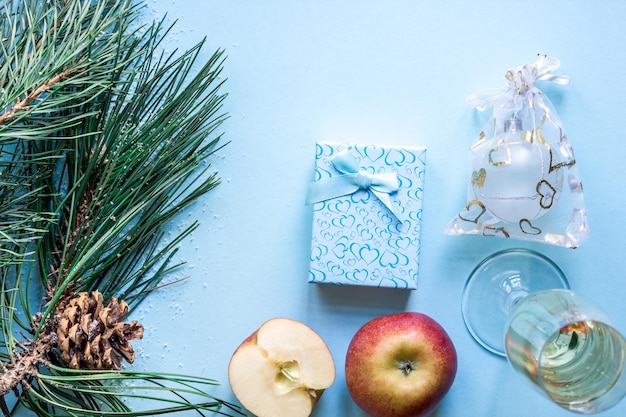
(288, 377)
(290, 370)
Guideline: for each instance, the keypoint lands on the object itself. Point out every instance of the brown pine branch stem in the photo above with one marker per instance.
(24, 365)
(12, 112)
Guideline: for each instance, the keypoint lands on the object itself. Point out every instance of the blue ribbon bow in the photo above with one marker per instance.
(352, 179)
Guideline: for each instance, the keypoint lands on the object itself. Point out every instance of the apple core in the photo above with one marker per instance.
(288, 377)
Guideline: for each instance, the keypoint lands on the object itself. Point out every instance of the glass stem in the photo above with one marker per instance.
(513, 298)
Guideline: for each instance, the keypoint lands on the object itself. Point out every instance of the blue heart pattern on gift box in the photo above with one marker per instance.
(356, 239)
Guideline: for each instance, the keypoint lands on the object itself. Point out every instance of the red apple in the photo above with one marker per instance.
(400, 365)
(282, 369)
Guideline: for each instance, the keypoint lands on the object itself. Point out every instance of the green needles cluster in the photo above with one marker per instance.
(103, 140)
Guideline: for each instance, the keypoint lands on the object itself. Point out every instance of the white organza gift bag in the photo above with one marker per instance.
(524, 182)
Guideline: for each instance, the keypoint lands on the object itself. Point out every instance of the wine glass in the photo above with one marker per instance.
(517, 303)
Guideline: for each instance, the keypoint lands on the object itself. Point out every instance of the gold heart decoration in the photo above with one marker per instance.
(527, 227)
(491, 230)
(471, 214)
(473, 211)
(481, 139)
(547, 193)
(478, 177)
(500, 154)
(556, 164)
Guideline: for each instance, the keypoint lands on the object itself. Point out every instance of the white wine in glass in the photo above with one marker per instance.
(565, 346)
(516, 303)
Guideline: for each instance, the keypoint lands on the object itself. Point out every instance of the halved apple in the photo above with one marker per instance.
(282, 369)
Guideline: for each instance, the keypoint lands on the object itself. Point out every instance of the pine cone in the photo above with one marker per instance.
(91, 336)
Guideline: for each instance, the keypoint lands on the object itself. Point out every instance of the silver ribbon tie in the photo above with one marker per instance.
(519, 82)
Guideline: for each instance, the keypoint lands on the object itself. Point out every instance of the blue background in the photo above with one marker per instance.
(392, 72)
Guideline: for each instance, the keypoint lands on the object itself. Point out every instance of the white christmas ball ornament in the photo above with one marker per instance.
(514, 181)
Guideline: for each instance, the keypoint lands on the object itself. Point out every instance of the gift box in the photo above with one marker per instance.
(367, 212)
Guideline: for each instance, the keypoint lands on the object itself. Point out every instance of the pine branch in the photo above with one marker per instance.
(102, 142)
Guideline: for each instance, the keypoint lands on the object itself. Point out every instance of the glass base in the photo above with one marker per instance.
(497, 284)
